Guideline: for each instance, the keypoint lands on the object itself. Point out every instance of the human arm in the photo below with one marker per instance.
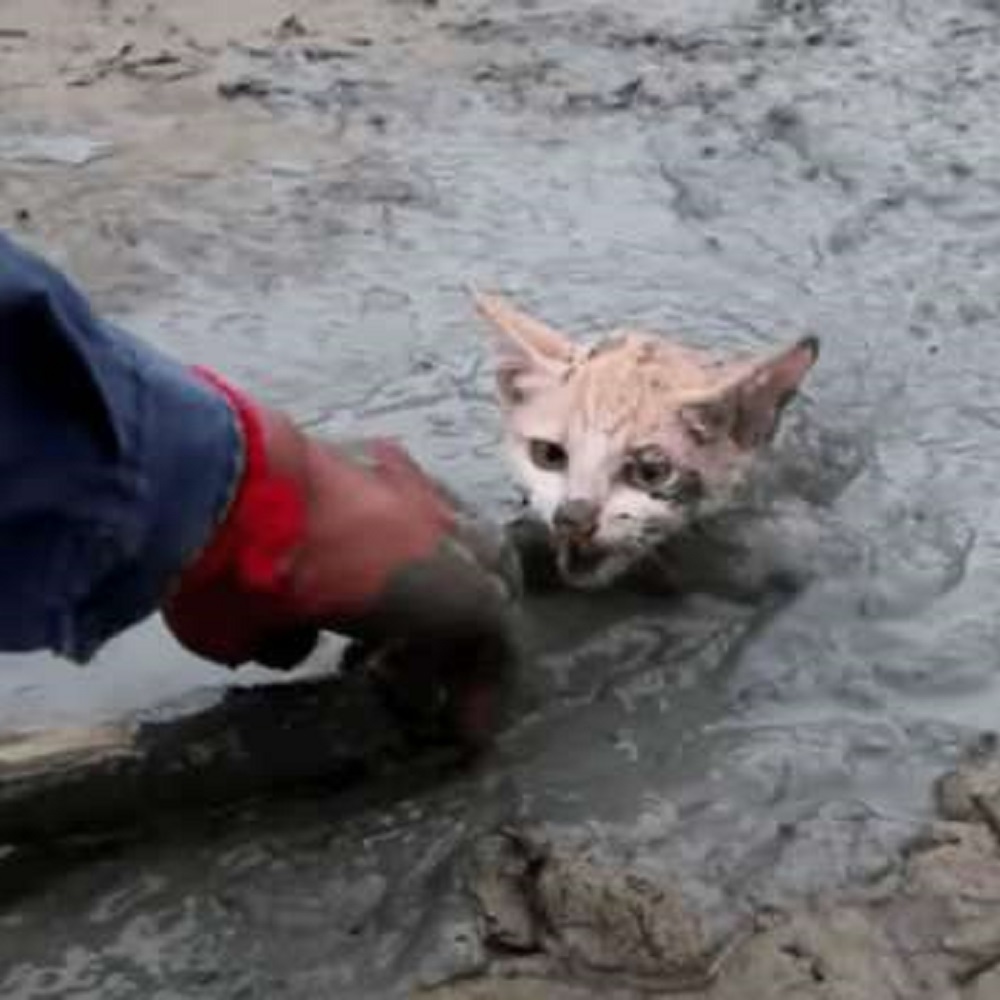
(132, 484)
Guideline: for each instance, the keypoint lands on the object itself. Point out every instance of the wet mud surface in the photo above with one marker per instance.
(301, 201)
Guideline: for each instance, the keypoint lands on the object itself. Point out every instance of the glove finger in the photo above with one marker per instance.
(388, 461)
(397, 469)
(484, 540)
(475, 710)
(456, 692)
(287, 650)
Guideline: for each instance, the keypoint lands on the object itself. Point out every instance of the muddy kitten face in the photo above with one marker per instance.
(625, 443)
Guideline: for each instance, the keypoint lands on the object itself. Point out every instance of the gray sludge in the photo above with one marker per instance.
(707, 794)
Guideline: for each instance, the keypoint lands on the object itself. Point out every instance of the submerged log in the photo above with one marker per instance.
(201, 751)
(394, 705)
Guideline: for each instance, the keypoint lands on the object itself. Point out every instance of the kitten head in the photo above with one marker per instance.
(625, 443)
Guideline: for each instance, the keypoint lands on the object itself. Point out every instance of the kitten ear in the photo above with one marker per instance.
(530, 354)
(748, 411)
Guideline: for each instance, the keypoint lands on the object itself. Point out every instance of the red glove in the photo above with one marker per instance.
(355, 540)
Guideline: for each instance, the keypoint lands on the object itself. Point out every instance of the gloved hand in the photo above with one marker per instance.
(356, 540)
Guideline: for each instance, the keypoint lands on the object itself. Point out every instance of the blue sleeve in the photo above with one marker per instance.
(115, 462)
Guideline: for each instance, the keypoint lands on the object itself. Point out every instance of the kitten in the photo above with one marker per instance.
(624, 446)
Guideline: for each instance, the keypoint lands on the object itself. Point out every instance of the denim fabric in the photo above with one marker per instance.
(115, 465)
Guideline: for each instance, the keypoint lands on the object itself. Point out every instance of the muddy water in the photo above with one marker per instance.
(735, 172)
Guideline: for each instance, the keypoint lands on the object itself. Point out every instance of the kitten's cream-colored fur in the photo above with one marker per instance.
(623, 444)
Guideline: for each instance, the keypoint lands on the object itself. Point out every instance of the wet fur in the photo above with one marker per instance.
(706, 420)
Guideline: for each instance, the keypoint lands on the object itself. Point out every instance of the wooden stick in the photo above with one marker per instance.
(247, 741)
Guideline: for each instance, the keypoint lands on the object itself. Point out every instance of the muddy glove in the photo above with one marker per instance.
(356, 540)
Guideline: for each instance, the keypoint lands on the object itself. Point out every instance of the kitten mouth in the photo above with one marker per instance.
(584, 564)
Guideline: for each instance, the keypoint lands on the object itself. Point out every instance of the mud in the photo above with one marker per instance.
(299, 196)
(613, 909)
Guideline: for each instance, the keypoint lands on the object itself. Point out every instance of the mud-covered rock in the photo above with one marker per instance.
(986, 987)
(837, 954)
(971, 792)
(946, 910)
(585, 911)
(600, 913)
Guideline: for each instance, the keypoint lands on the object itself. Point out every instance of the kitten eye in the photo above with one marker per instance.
(547, 454)
(648, 469)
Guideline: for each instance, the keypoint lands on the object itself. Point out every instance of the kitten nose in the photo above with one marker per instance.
(576, 518)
